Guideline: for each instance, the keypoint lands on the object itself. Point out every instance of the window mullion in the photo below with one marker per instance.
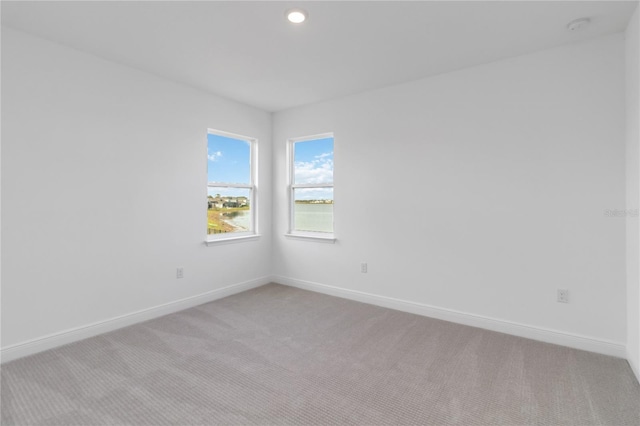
(312, 185)
(229, 185)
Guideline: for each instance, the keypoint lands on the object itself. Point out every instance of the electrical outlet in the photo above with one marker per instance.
(180, 273)
(363, 267)
(563, 295)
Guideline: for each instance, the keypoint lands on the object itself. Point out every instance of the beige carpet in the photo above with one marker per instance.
(282, 356)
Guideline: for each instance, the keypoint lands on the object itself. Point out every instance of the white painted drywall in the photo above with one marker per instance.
(632, 39)
(104, 188)
(481, 191)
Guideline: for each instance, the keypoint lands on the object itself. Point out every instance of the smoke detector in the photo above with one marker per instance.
(577, 24)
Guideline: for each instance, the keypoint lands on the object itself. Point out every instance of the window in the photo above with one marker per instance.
(231, 189)
(311, 187)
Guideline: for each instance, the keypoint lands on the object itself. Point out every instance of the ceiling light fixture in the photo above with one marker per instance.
(578, 23)
(296, 16)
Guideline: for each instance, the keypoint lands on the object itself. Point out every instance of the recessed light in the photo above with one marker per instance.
(578, 23)
(296, 16)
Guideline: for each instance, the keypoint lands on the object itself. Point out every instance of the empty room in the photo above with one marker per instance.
(320, 213)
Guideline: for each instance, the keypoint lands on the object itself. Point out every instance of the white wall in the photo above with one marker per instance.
(480, 191)
(505, 171)
(104, 188)
(632, 38)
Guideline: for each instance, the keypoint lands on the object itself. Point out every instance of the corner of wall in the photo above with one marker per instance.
(632, 70)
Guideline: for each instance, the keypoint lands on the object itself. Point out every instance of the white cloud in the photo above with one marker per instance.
(319, 170)
(213, 156)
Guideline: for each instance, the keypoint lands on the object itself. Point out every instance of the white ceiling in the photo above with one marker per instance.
(248, 52)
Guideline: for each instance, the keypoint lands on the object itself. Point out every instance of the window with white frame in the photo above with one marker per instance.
(231, 186)
(311, 186)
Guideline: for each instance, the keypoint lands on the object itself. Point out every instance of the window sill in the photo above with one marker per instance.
(229, 240)
(330, 238)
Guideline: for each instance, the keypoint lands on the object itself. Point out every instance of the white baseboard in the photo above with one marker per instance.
(634, 367)
(54, 340)
(502, 326)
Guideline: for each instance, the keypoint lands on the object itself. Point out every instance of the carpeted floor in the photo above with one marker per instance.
(282, 356)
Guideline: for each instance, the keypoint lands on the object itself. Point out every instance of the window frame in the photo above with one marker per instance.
(252, 186)
(292, 186)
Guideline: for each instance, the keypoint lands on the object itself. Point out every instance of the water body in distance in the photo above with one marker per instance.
(241, 219)
(313, 217)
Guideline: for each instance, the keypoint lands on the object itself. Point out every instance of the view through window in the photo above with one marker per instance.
(231, 186)
(312, 185)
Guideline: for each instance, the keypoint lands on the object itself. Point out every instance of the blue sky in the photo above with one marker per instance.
(313, 163)
(228, 159)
